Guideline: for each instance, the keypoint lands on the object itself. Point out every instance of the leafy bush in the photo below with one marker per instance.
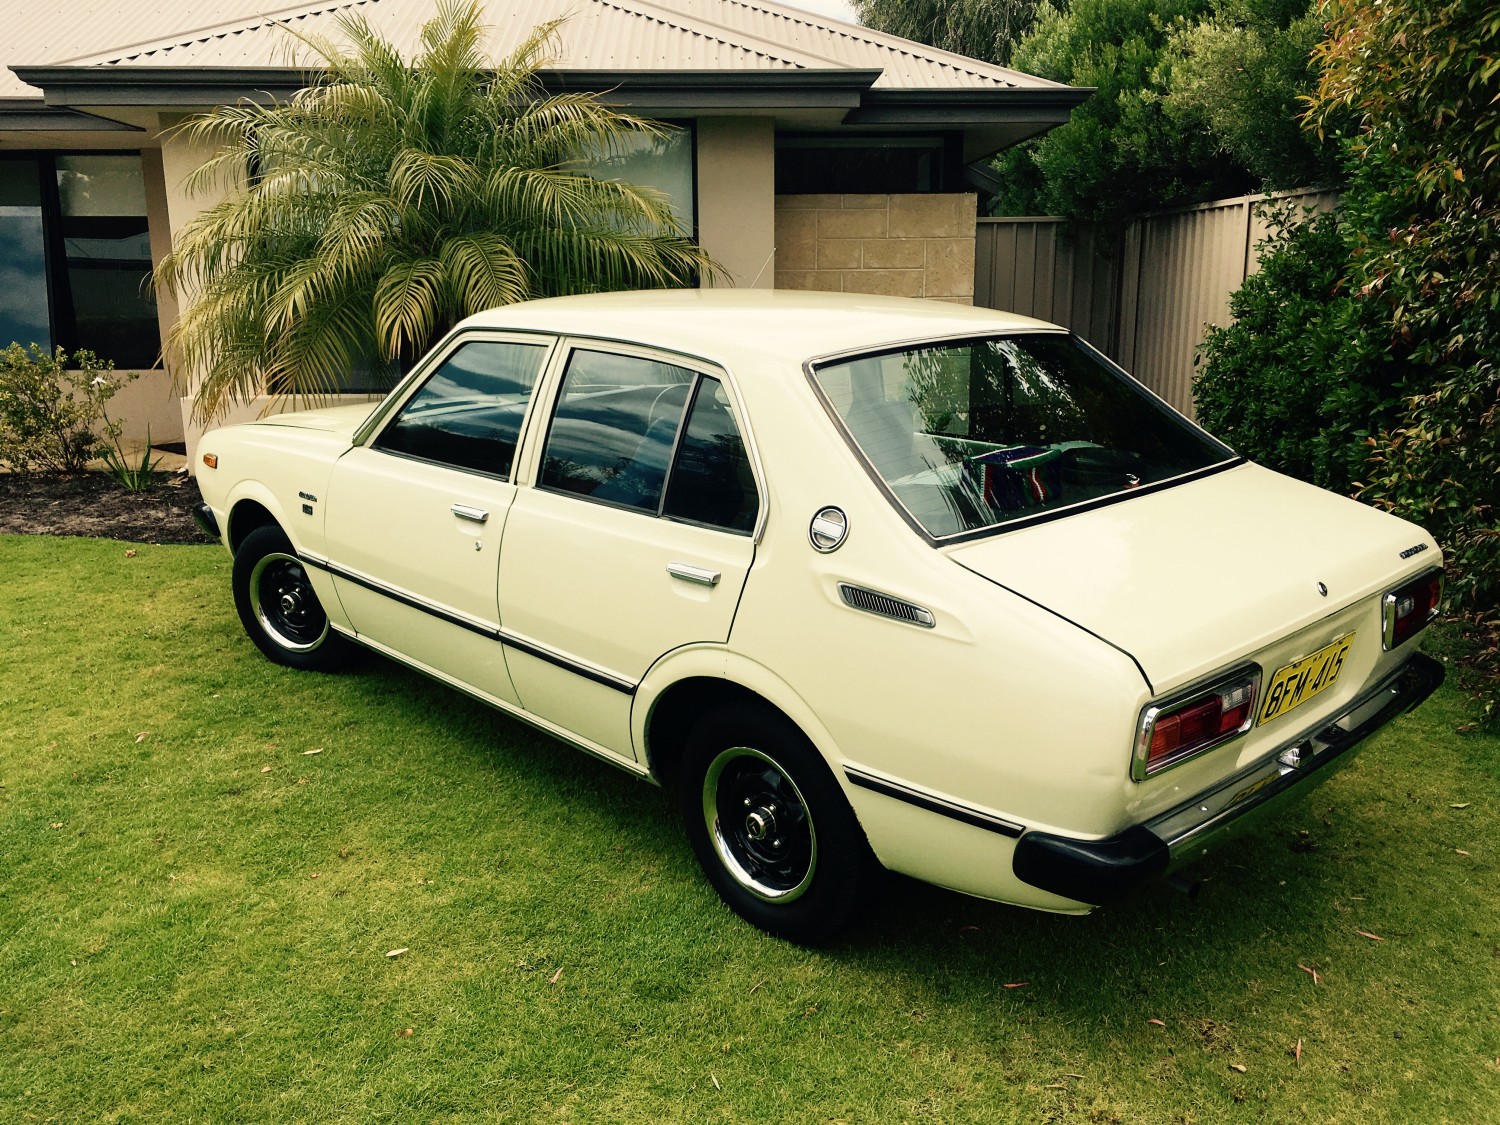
(1295, 382)
(49, 411)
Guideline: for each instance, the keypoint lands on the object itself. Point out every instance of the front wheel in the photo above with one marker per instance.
(278, 606)
(770, 826)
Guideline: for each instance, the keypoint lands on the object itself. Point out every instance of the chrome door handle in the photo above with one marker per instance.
(695, 574)
(467, 512)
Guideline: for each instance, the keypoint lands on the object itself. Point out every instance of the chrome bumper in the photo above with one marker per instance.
(1103, 871)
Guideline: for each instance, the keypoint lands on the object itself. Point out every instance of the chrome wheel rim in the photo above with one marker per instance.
(285, 604)
(760, 826)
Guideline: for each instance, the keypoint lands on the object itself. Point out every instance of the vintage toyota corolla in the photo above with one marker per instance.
(867, 582)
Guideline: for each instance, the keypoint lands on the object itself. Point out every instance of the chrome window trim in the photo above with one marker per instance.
(809, 370)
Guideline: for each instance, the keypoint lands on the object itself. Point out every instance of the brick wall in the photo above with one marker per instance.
(900, 245)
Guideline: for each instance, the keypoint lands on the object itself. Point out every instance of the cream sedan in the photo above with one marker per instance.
(867, 583)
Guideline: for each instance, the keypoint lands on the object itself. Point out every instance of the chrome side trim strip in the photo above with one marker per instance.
(530, 648)
(951, 809)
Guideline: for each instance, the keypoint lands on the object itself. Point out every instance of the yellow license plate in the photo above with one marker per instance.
(1295, 683)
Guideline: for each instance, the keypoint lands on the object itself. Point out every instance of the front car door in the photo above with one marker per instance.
(415, 515)
(634, 539)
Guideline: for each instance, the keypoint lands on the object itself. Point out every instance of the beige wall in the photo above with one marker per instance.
(900, 245)
(736, 185)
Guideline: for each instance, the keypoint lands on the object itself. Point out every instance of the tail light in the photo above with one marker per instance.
(1407, 609)
(1204, 716)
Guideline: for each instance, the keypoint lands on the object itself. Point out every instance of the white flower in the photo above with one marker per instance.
(99, 381)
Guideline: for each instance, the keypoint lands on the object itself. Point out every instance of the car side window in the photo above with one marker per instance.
(711, 481)
(614, 429)
(469, 412)
(618, 434)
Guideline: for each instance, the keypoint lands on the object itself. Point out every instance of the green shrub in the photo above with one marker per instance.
(49, 412)
(1278, 383)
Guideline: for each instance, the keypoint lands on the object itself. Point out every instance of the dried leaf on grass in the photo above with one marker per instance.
(1460, 851)
(1237, 1067)
(145, 734)
(405, 1033)
(130, 554)
(1158, 1023)
(396, 952)
(555, 977)
(1018, 984)
(1297, 1053)
(319, 750)
(1461, 805)
(265, 769)
(1368, 934)
(1310, 972)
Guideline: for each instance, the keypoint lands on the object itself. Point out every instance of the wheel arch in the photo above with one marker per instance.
(689, 682)
(253, 507)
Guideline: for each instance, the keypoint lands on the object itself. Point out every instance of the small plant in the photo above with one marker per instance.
(138, 477)
(49, 408)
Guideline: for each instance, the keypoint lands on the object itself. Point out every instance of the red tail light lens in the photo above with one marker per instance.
(1408, 609)
(1203, 717)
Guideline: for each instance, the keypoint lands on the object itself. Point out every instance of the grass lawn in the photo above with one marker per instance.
(196, 911)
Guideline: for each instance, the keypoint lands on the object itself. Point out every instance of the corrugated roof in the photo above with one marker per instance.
(37, 32)
(681, 35)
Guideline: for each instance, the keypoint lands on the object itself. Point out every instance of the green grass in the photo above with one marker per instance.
(186, 935)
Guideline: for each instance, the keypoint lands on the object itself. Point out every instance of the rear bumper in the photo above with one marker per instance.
(1104, 871)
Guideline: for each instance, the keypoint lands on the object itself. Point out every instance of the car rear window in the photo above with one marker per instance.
(981, 434)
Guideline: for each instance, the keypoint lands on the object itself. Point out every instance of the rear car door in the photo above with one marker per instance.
(633, 540)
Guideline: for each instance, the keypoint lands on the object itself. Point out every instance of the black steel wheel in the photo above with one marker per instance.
(278, 606)
(771, 827)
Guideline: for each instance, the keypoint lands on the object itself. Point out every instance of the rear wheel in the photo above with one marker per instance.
(770, 826)
(278, 606)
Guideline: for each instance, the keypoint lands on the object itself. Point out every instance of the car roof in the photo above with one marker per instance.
(722, 324)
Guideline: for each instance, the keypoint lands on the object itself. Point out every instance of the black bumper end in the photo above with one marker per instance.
(1101, 872)
(204, 517)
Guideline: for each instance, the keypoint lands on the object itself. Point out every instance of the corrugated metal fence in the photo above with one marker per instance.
(1142, 295)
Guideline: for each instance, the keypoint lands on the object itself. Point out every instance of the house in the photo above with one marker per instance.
(815, 154)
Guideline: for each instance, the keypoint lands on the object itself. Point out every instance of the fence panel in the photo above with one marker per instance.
(1145, 295)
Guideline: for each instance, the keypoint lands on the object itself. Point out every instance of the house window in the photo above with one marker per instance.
(810, 164)
(75, 256)
(664, 163)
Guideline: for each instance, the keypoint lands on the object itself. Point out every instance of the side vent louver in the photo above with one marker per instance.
(883, 605)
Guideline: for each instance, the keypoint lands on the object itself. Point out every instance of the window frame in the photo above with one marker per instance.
(389, 411)
(701, 369)
(62, 317)
(810, 372)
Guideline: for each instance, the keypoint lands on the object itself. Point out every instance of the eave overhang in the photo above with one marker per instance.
(1026, 110)
(168, 86)
(34, 115)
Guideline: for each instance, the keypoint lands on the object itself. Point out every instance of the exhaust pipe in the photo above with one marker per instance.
(1189, 887)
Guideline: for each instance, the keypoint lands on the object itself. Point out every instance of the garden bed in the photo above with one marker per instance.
(92, 504)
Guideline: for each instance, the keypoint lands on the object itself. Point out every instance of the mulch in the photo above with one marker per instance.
(93, 504)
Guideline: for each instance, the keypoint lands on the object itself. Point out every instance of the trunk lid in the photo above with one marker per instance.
(1191, 578)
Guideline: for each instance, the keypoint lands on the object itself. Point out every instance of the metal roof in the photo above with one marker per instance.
(598, 35)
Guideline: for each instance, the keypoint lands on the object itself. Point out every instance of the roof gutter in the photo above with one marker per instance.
(117, 85)
(33, 115)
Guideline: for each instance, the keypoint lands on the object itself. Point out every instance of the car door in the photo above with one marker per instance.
(634, 539)
(415, 515)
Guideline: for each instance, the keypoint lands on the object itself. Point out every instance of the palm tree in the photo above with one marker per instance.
(390, 199)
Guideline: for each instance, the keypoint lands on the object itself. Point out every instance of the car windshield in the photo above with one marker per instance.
(982, 434)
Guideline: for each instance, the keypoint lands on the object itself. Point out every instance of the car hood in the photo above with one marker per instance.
(336, 419)
(1196, 576)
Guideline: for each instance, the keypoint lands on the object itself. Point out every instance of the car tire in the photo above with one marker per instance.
(279, 608)
(770, 826)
